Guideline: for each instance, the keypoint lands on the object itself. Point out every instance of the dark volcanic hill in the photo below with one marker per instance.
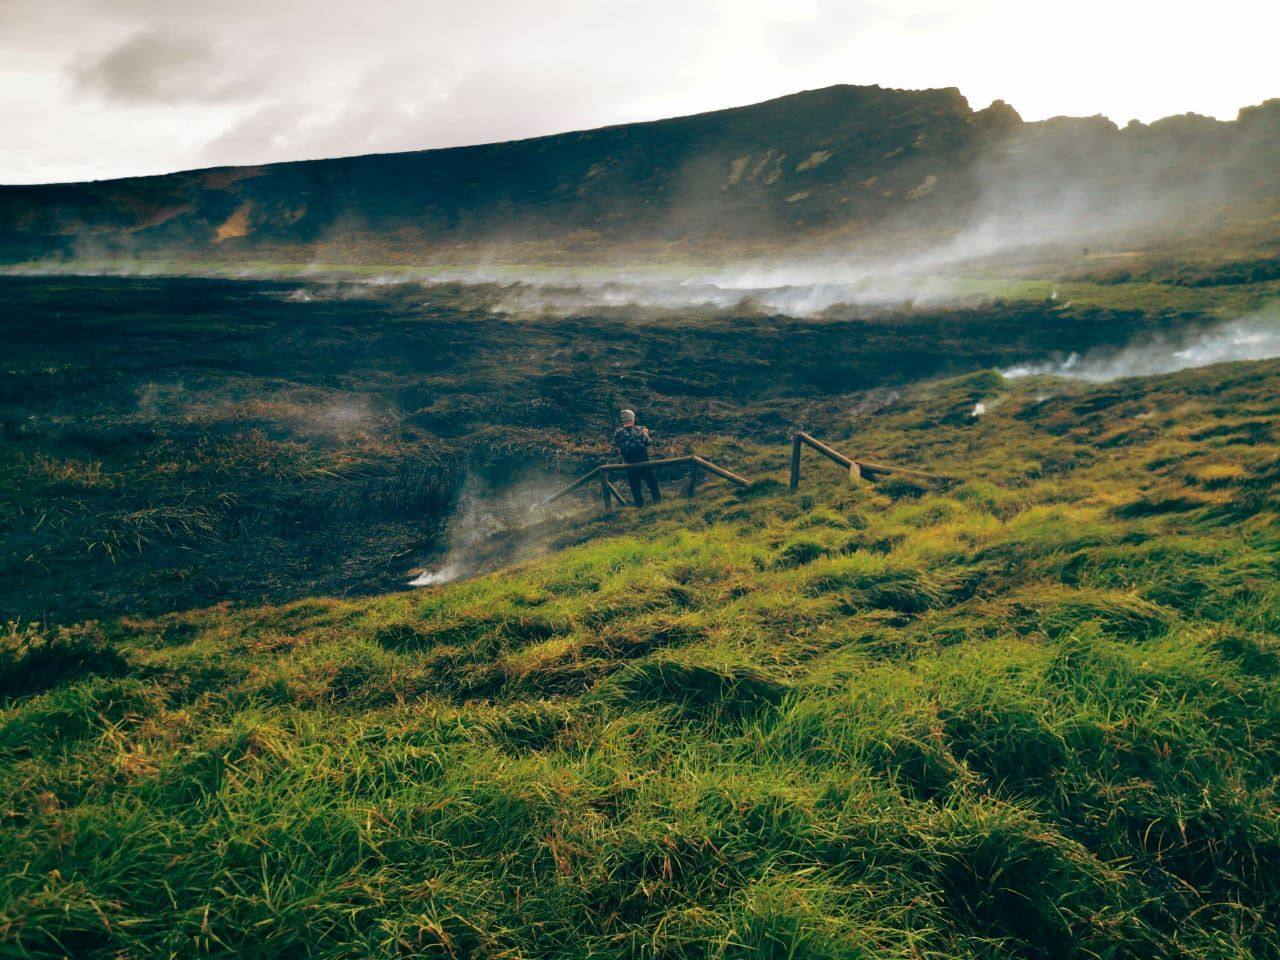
(840, 163)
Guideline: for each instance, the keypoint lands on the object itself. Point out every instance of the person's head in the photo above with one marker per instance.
(628, 418)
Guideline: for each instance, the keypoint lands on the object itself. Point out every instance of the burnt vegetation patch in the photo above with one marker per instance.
(260, 440)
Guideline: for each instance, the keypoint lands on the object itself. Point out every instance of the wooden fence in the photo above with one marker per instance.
(857, 468)
(610, 493)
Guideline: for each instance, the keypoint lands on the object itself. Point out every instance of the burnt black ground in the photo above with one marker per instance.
(169, 443)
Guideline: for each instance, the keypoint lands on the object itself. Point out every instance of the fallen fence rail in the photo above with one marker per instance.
(857, 468)
(609, 493)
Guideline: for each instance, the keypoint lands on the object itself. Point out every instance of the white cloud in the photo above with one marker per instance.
(112, 87)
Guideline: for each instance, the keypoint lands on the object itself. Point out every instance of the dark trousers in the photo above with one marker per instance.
(649, 476)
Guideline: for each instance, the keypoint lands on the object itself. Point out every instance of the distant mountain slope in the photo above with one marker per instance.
(845, 161)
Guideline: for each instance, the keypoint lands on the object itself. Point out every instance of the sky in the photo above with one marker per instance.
(91, 89)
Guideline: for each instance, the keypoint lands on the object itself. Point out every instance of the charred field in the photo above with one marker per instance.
(1031, 711)
(173, 442)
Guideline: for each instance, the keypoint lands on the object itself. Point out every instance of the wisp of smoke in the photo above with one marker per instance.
(1255, 337)
(804, 288)
(795, 290)
(490, 526)
(433, 578)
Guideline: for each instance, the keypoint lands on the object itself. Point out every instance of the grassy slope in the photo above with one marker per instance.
(1033, 715)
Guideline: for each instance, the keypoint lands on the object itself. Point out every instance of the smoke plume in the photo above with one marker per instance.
(1254, 337)
(489, 527)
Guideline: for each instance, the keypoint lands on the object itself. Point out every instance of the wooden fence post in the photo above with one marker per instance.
(604, 493)
(795, 461)
(691, 487)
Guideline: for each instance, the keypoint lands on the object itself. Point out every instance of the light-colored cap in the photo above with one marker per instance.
(628, 416)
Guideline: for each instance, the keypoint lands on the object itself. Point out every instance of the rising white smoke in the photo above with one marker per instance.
(1255, 337)
(794, 290)
(434, 578)
(489, 527)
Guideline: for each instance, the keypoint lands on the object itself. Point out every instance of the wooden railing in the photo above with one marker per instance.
(609, 493)
(857, 468)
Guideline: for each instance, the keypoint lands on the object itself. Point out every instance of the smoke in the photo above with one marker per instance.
(434, 578)
(491, 527)
(1070, 186)
(983, 407)
(813, 289)
(1255, 337)
(802, 290)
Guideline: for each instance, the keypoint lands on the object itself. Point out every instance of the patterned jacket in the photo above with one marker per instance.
(632, 443)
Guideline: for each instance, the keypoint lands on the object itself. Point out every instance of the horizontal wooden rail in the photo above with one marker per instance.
(856, 468)
(572, 487)
(669, 462)
(721, 472)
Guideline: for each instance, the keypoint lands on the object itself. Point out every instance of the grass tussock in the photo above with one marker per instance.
(1034, 715)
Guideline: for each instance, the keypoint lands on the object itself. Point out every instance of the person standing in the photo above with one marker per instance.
(633, 442)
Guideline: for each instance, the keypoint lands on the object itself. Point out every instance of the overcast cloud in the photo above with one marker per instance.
(163, 66)
(96, 88)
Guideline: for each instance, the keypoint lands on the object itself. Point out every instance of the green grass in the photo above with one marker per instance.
(1032, 713)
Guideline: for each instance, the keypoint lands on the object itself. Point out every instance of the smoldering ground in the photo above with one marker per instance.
(1252, 337)
(495, 523)
(223, 441)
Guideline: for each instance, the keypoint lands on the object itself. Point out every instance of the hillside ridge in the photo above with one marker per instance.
(838, 162)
